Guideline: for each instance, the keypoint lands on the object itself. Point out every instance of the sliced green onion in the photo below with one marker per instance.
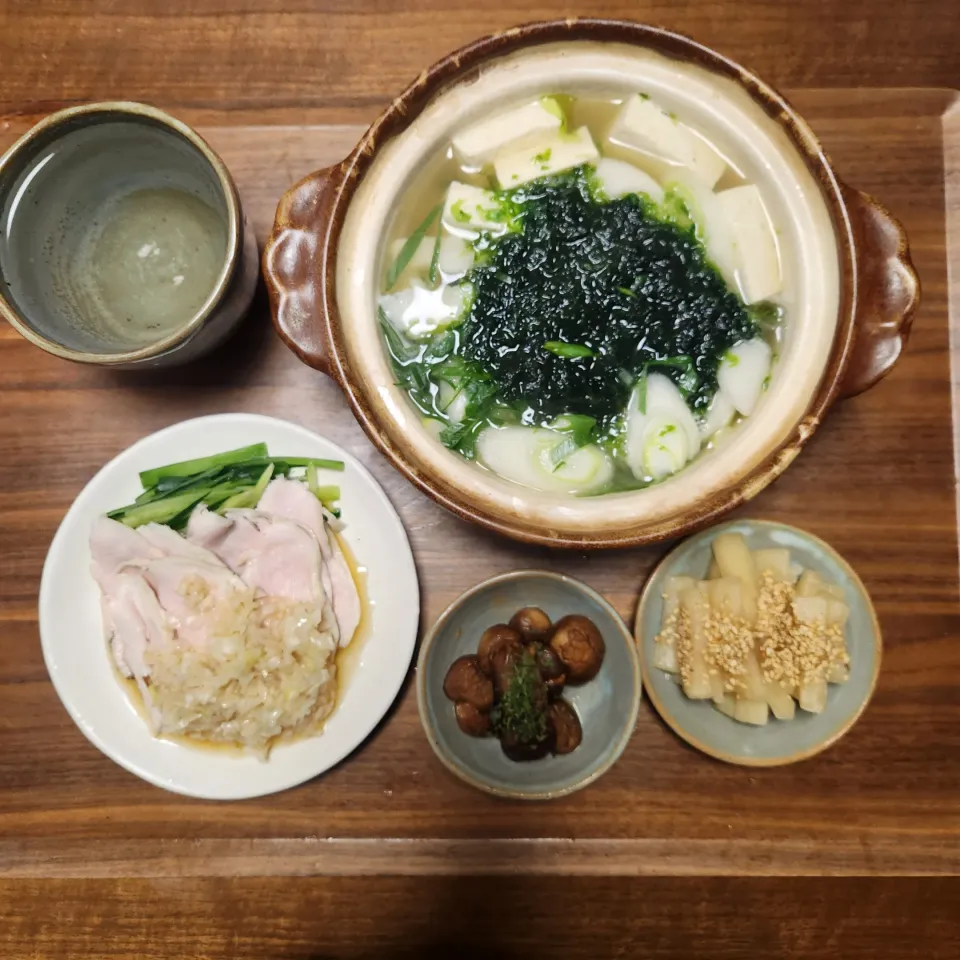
(567, 350)
(435, 260)
(557, 457)
(410, 247)
(249, 498)
(327, 494)
(642, 391)
(158, 511)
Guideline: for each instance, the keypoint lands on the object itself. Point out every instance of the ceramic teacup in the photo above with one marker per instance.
(122, 240)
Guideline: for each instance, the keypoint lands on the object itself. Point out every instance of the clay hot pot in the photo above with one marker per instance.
(854, 289)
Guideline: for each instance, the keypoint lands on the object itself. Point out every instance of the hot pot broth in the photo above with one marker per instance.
(581, 295)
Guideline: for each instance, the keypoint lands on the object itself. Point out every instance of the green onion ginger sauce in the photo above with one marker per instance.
(580, 295)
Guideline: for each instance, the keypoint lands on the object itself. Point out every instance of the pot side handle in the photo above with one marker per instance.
(888, 292)
(295, 267)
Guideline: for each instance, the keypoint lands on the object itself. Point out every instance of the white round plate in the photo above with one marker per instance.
(76, 653)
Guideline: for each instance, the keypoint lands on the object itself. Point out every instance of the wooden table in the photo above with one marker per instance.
(671, 854)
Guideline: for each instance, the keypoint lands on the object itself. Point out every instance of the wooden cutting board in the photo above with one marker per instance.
(877, 482)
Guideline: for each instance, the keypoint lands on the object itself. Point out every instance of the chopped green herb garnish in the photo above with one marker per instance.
(543, 158)
(731, 359)
(458, 213)
(522, 709)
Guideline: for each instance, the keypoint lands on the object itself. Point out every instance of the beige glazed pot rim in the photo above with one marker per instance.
(327, 312)
(120, 109)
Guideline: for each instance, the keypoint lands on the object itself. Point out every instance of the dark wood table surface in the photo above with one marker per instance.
(671, 854)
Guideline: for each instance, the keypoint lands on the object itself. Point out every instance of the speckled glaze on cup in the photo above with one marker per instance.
(103, 155)
(607, 705)
(855, 290)
(779, 742)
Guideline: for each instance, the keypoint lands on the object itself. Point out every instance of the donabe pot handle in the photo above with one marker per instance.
(888, 292)
(296, 263)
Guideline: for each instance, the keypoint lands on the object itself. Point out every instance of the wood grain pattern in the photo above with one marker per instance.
(666, 823)
(346, 59)
(322, 919)
(885, 795)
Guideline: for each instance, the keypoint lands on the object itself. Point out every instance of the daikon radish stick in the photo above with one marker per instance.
(727, 706)
(751, 711)
(809, 584)
(810, 609)
(716, 688)
(837, 613)
(713, 571)
(671, 595)
(694, 602)
(665, 657)
(838, 674)
(665, 653)
(775, 561)
(726, 595)
(813, 696)
(755, 685)
(781, 703)
(735, 560)
(833, 590)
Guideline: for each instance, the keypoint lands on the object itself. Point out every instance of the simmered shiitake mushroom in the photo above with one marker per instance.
(465, 681)
(472, 721)
(550, 666)
(566, 727)
(493, 638)
(520, 751)
(532, 624)
(579, 645)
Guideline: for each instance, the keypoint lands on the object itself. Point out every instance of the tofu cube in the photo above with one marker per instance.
(469, 211)
(644, 125)
(477, 144)
(551, 154)
(755, 246)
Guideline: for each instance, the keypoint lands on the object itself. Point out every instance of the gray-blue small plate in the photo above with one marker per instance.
(779, 742)
(607, 705)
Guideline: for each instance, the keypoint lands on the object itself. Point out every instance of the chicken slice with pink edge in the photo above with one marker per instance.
(135, 621)
(112, 544)
(209, 529)
(275, 556)
(290, 499)
(141, 574)
(181, 583)
(171, 544)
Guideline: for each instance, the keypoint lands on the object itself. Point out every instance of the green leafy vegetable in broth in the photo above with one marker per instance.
(410, 247)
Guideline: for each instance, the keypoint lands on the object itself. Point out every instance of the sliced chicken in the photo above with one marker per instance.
(171, 544)
(153, 587)
(210, 529)
(290, 499)
(134, 621)
(188, 590)
(273, 555)
(112, 544)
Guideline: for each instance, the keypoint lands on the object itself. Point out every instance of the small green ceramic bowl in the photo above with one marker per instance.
(607, 705)
(777, 743)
